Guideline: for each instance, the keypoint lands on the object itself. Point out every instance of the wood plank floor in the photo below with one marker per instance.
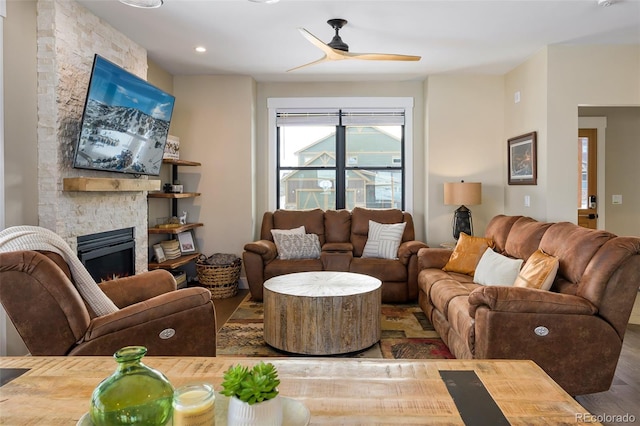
(623, 397)
(226, 307)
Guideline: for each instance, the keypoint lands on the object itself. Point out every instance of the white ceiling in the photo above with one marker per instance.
(452, 36)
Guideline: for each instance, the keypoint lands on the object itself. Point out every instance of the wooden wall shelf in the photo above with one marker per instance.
(82, 184)
(174, 263)
(176, 230)
(171, 232)
(173, 194)
(181, 162)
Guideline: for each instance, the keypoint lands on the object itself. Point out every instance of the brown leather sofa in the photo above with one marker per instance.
(584, 316)
(343, 235)
(37, 292)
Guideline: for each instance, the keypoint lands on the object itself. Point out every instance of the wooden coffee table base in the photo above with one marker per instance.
(322, 322)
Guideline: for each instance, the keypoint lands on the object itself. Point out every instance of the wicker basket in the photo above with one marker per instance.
(220, 279)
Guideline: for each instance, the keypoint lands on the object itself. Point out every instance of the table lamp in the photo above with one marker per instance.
(462, 193)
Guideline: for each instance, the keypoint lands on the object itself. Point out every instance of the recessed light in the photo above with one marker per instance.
(200, 49)
(265, 1)
(145, 4)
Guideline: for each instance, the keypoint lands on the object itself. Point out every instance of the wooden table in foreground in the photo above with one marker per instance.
(56, 390)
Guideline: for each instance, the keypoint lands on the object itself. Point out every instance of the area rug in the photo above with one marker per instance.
(406, 334)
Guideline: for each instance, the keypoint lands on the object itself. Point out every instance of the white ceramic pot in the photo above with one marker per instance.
(265, 413)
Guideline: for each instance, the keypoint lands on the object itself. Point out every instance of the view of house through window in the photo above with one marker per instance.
(340, 159)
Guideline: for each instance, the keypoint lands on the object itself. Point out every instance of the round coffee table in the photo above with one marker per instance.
(322, 313)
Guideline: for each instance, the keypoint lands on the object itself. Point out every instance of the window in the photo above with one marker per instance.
(335, 158)
(583, 148)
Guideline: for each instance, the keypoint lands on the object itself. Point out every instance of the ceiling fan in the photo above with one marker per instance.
(337, 50)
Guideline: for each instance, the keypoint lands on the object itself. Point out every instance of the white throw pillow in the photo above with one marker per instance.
(496, 269)
(297, 246)
(383, 240)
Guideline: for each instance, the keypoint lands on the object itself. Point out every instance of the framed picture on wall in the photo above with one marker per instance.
(187, 243)
(522, 159)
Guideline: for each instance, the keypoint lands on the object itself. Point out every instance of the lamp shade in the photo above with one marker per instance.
(462, 193)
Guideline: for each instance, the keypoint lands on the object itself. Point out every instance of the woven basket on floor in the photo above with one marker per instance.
(220, 279)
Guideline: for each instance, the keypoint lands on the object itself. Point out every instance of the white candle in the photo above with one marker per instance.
(193, 405)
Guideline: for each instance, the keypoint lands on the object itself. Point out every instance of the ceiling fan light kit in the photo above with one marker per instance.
(337, 49)
(144, 4)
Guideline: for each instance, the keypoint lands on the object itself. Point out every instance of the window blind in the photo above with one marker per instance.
(308, 117)
(332, 117)
(373, 117)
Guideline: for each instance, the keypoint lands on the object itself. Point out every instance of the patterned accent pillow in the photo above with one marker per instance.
(383, 240)
(299, 230)
(297, 246)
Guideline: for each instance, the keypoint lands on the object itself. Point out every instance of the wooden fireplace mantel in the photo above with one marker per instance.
(83, 184)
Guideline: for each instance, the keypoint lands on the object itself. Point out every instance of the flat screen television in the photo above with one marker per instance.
(125, 122)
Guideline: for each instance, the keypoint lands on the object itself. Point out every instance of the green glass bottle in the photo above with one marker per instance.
(133, 395)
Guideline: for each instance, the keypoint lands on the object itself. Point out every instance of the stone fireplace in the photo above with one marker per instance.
(68, 37)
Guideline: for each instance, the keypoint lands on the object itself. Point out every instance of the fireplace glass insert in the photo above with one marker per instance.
(108, 255)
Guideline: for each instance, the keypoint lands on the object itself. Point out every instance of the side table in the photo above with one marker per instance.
(322, 312)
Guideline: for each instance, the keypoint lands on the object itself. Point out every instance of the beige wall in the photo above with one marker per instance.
(413, 89)
(582, 75)
(159, 77)
(622, 155)
(20, 123)
(528, 115)
(213, 118)
(553, 84)
(20, 93)
(464, 128)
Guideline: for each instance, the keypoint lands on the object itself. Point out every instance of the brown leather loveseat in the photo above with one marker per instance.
(574, 331)
(342, 235)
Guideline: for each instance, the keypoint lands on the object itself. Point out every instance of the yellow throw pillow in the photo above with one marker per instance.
(538, 272)
(467, 254)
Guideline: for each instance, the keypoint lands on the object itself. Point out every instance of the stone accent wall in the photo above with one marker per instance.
(68, 37)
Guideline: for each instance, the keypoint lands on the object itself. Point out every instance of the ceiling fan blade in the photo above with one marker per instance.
(382, 57)
(323, 59)
(315, 40)
(330, 52)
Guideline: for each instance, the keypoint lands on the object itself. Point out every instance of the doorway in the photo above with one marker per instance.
(588, 178)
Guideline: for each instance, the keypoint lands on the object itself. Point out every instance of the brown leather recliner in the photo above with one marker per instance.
(37, 292)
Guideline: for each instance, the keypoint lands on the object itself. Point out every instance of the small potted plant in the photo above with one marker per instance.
(253, 394)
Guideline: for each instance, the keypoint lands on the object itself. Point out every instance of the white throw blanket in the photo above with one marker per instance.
(19, 238)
